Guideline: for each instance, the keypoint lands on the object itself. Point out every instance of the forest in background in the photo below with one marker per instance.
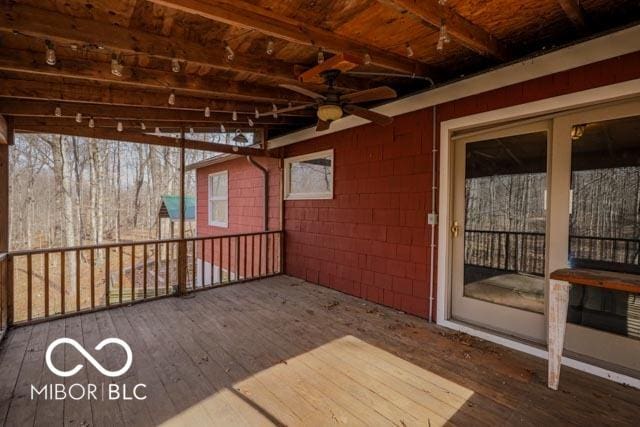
(69, 191)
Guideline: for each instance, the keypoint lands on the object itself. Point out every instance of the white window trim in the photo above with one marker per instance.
(307, 196)
(223, 224)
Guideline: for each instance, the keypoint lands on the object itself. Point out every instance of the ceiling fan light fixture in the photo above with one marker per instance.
(329, 112)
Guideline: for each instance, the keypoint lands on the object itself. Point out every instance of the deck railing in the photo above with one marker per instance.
(49, 283)
(523, 252)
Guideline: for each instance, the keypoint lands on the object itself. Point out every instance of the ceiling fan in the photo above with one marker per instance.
(332, 105)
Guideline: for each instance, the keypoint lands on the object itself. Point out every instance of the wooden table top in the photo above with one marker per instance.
(599, 278)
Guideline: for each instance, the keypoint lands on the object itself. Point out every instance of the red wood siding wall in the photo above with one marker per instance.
(372, 239)
(246, 205)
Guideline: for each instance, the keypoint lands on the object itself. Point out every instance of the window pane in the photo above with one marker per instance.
(311, 176)
(505, 181)
(218, 185)
(219, 211)
(604, 228)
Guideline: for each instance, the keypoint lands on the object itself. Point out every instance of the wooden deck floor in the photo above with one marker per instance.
(280, 351)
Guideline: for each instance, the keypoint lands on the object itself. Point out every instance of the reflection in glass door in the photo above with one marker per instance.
(500, 211)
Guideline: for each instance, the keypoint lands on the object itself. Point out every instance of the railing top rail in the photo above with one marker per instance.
(133, 243)
(573, 236)
(530, 233)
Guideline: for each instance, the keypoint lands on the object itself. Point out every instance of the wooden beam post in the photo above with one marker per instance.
(182, 246)
(6, 288)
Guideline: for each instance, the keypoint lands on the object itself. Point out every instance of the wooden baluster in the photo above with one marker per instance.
(253, 255)
(93, 277)
(193, 264)
(212, 262)
(107, 277)
(120, 275)
(273, 253)
(166, 268)
(266, 254)
(220, 263)
(228, 259)
(202, 252)
(77, 280)
(155, 268)
(144, 271)
(29, 287)
(244, 257)
(237, 258)
(46, 284)
(259, 255)
(133, 272)
(62, 280)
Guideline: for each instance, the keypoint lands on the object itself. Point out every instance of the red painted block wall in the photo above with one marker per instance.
(372, 239)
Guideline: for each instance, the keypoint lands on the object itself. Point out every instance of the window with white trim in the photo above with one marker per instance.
(309, 176)
(219, 199)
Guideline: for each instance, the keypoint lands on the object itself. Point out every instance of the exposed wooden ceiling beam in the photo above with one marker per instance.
(67, 29)
(31, 108)
(29, 62)
(460, 29)
(242, 14)
(575, 13)
(94, 94)
(141, 138)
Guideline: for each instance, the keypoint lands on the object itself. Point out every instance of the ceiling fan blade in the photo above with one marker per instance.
(377, 118)
(303, 91)
(286, 110)
(322, 125)
(375, 94)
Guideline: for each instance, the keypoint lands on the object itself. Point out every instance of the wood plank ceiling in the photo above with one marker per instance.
(272, 42)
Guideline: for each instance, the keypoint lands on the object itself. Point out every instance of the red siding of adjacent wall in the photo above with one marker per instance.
(372, 239)
(246, 205)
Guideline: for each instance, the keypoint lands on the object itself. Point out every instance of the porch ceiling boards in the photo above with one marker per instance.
(148, 35)
(281, 351)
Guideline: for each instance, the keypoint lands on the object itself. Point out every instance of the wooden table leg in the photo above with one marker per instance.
(558, 306)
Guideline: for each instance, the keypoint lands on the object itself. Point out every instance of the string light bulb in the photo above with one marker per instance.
(250, 122)
(57, 112)
(207, 111)
(234, 116)
(257, 113)
(172, 98)
(274, 108)
(444, 34)
(92, 123)
(320, 56)
(222, 129)
(440, 44)
(157, 130)
(175, 65)
(143, 126)
(409, 50)
(50, 55)
(270, 47)
(191, 130)
(367, 59)
(230, 53)
(78, 117)
(116, 66)
(119, 127)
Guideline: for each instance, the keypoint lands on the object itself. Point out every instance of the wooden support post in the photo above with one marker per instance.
(558, 306)
(6, 288)
(182, 246)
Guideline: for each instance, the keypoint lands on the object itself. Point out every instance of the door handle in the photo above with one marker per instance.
(455, 229)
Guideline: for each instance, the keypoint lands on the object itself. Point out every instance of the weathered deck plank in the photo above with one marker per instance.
(282, 352)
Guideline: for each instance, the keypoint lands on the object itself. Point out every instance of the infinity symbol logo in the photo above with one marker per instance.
(87, 356)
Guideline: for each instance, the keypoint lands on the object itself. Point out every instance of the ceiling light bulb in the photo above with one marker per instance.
(92, 123)
(250, 122)
(175, 65)
(577, 131)
(222, 129)
(172, 98)
(234, 116)
(270, 47)
(58, 112)
(207, 111)
(230, 54)
(78, 117)
(143, 126)
(119, 127)
(409, 50)
(367, 59)
(116, 66)
(257, 113)
(51, 53)
(329, 112)
(320, 56)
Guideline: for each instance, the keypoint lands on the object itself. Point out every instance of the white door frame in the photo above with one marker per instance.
(557, 105)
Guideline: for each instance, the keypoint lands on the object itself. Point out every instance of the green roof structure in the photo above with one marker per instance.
(170, 207)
